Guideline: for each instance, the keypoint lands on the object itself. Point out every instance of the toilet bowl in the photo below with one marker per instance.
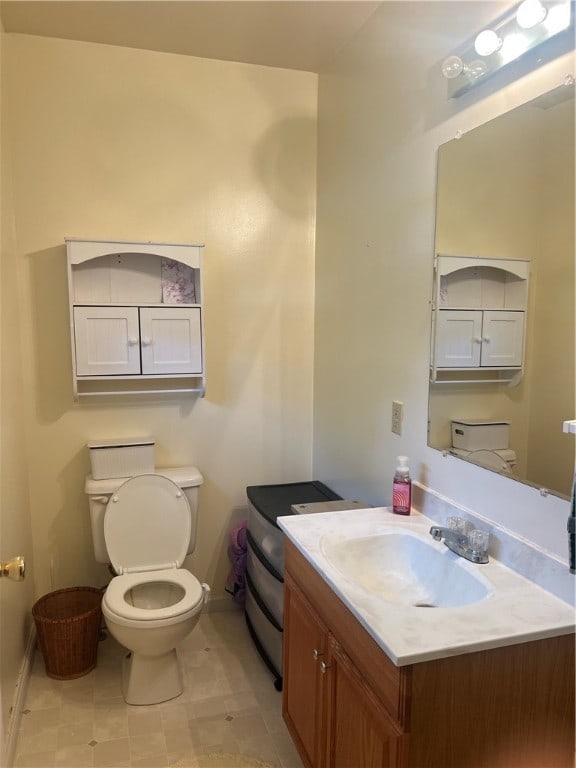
(153, 603)
(150, 614)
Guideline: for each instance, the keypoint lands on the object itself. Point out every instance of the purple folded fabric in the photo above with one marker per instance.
(237, 554)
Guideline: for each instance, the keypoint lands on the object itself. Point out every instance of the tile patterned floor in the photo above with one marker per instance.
(229, 705)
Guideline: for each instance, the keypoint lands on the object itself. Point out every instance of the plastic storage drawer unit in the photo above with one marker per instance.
(265, 562)
(267, 635)
(266, 503)
(266, 581)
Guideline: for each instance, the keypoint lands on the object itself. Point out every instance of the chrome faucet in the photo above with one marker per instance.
(472, 547)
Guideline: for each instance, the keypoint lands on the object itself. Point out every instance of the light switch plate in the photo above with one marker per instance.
(397, 416)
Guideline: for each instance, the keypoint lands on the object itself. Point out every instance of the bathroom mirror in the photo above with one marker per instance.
(505, 190)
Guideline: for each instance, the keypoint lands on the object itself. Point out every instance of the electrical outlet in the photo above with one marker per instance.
(397, 416)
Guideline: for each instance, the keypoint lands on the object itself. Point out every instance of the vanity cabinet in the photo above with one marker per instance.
(479, 319)
(304, 677)
(359, 729)
(347, 705)
(338, 719)
(136, 317)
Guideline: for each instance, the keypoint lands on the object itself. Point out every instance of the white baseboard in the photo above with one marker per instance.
(10, 743)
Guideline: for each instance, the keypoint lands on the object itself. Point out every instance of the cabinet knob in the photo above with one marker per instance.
(324, 667)
(317, 653)
(146, 341)
(132, 341)
(477, 339)
(487, 339)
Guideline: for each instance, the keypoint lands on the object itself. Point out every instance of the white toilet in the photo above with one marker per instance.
(502, 460)
(145, 526)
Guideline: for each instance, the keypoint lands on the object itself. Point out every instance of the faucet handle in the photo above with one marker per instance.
(456, 524)
(478, 541)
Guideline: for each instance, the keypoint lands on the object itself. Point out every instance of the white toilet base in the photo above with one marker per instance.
(151, 679)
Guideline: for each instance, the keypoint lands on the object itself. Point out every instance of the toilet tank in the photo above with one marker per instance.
(99, 491)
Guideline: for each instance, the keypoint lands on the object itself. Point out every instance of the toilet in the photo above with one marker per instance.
(144, 527)
(485, 442)
(500, 459)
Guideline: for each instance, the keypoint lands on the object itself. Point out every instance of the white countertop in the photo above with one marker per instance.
(516, 610)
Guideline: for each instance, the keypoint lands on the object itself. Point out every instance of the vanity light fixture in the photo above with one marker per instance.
(521, 29)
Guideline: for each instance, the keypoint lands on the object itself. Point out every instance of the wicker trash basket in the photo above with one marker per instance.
(68, 626)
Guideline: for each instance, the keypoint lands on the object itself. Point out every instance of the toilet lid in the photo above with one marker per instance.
(147, 525)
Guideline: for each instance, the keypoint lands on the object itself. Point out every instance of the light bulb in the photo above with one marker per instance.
(530, 13)
(487, 43)
(476, 69)
(452, 67)
(558, 18)
(514, 46)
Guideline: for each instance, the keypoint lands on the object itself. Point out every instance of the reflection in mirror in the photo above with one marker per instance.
(506, 191)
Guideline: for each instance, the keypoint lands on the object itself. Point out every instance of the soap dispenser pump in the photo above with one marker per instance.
(402, 488)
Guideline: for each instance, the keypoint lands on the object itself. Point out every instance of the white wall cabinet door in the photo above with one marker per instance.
(502, 339)
(107, 341)
(458, 338)
(171, 340)
(479, 338)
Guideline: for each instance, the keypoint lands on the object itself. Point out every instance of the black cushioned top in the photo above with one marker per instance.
(274, 501)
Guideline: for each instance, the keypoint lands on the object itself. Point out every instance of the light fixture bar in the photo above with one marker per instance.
(521, 29)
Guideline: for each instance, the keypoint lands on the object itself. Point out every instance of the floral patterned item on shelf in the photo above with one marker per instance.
(177, 283)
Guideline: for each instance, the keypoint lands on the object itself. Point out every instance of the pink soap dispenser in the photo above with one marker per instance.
(402, 488)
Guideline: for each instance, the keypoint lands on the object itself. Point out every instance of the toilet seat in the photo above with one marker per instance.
(193, 597)
(499, 459)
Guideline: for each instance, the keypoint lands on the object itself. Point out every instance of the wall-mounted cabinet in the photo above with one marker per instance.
(136, 317)
(478, 319)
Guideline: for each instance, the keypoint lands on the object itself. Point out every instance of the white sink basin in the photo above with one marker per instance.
(406, 569)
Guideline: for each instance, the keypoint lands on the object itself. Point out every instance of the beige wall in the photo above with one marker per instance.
(109, 142)
(383, 112)
(15, 529)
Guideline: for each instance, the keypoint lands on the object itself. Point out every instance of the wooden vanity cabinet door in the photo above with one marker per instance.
(360, 731)
(305, 649)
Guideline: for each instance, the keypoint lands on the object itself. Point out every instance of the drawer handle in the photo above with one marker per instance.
(316, 653)
(324, 667)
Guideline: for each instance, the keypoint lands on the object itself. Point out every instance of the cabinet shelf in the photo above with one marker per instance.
(468, 308)
(134, 304)
(137, 385)
(136, 317)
